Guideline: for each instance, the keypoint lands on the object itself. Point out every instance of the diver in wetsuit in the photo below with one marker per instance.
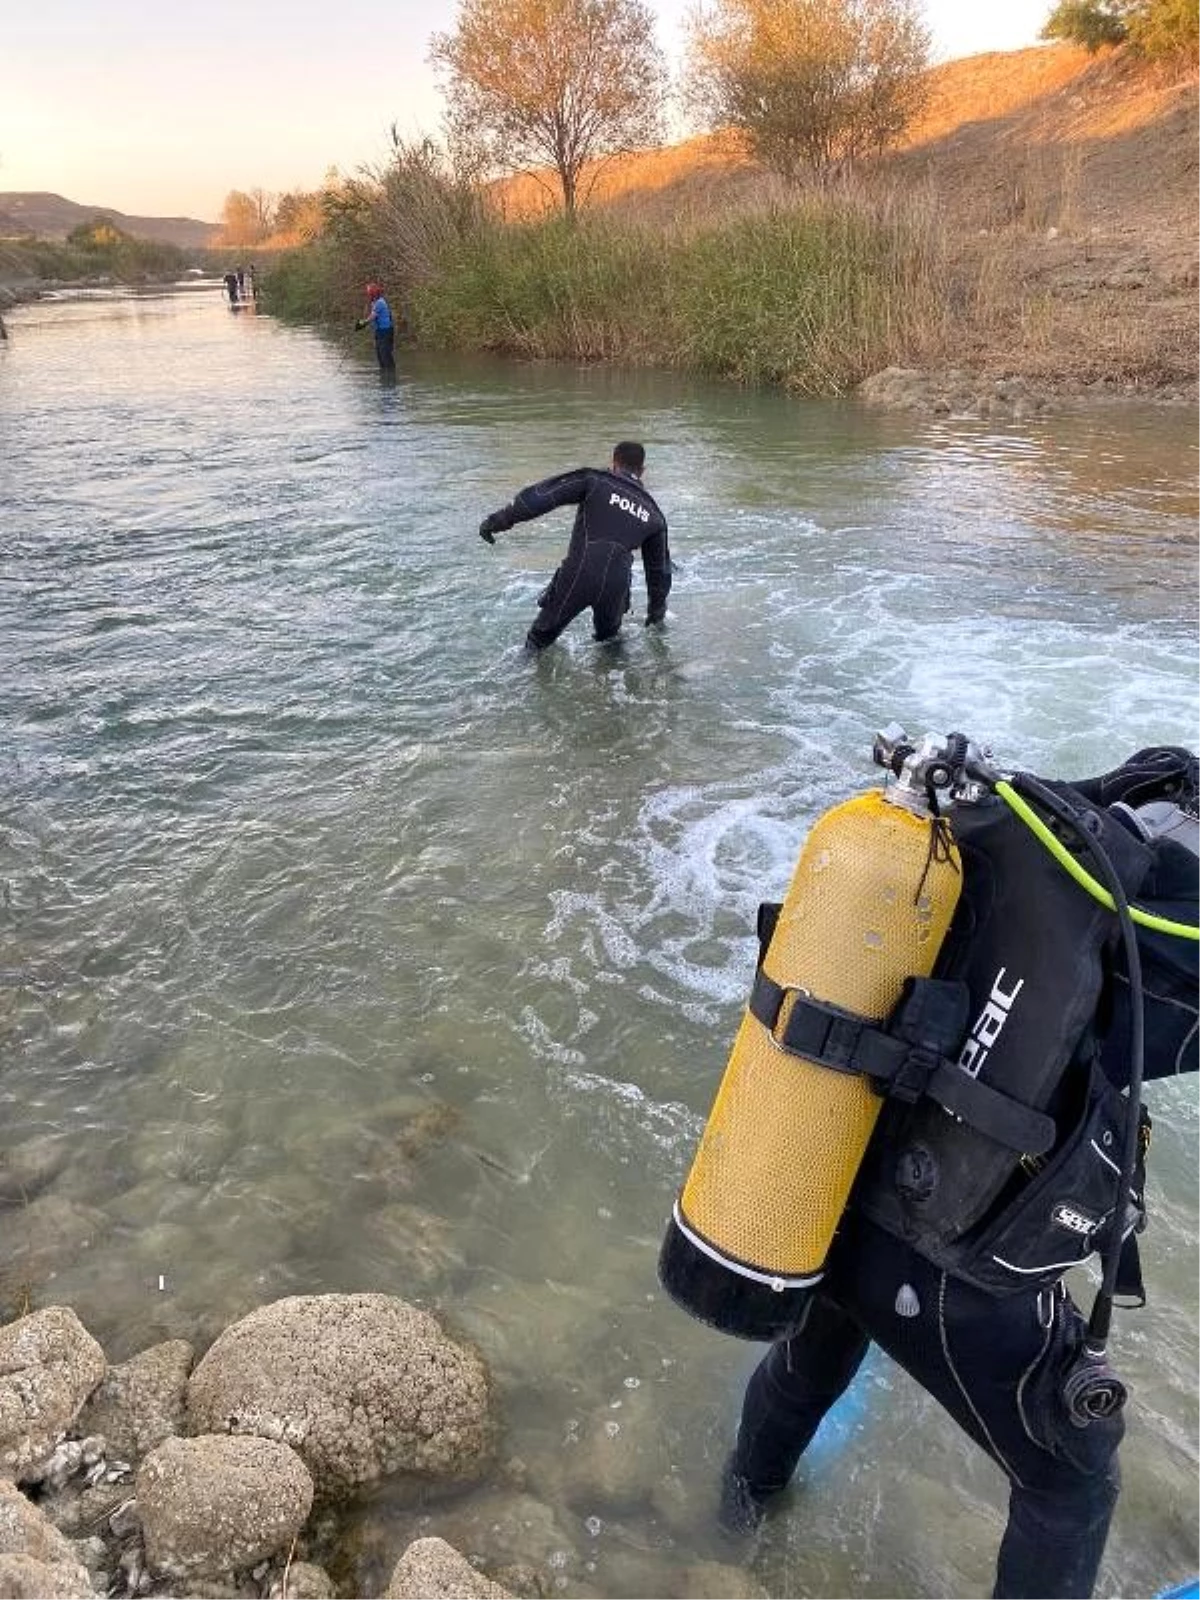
(616, 517)
(982, 1318)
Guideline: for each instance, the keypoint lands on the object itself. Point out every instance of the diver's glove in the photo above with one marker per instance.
(496, 522)
(360, 324)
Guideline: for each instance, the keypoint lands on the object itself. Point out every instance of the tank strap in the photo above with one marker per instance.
(1129, 1285)
(909, 1056)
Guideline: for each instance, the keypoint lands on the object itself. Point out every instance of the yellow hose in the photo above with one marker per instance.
(1144, 919)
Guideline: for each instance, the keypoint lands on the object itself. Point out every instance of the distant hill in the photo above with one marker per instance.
(49, 216)
(1095, 142)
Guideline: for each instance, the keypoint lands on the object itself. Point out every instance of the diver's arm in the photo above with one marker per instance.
(567, 489)
(656, 564)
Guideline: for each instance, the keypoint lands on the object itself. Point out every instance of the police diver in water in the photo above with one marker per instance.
(952, 1251)
(616, 517)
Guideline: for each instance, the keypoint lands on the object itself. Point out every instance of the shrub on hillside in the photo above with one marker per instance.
(1156, 29)
(1165, 28)
(1091, 23)
(810, 83)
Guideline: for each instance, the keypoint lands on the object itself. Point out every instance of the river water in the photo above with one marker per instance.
(351, 950)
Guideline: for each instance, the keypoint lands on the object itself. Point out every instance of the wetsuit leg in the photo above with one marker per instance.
(568, 593)
(1057, 1538)
(609, 612)
(789, 1393)
(385, 346)
(996, 1365)
(610, 574)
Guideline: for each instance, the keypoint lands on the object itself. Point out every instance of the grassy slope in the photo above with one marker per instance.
(1067, 188)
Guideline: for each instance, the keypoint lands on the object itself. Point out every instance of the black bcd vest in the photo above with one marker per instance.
(1035, 951)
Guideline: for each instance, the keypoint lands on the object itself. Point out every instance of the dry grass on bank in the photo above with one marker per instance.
(1064, 188)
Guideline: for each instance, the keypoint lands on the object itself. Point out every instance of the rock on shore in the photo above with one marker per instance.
(49, 1364)
(953, 393)
(217, 1504)
(141, 1402)
(36, 1561)
(361, 1386)
(431, 1569)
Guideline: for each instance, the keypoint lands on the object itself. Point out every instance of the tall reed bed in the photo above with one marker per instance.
(810, 291)
(125, 260)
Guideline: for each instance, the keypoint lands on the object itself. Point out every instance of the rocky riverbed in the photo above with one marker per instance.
(244, 1476)
(244, 1473)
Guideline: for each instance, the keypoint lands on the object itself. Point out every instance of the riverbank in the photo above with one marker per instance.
(1040, 226)
(33, 268)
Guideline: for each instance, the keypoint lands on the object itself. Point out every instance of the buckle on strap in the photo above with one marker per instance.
(825, 1034)
(911, 1079)
(906, 1064)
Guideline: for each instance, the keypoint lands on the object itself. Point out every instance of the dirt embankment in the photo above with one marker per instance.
(1068, 184)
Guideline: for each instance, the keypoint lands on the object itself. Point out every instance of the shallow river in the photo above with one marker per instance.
(355, 951)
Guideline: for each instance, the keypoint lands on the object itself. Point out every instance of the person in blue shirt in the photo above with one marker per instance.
(379, 317)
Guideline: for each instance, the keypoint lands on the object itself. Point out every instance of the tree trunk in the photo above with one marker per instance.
(569, 179)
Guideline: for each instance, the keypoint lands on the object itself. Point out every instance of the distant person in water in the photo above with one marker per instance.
(241, 283)
(379, 317)
(231, 286)
(252, 281)
(616, 517)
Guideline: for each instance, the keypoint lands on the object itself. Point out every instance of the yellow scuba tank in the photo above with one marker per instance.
(868, 906)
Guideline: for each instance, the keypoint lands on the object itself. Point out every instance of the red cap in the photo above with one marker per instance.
(373, 289)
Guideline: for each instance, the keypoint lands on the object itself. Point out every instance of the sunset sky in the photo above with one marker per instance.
(162, 110)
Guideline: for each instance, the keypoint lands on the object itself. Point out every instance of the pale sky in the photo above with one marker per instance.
(161, 110)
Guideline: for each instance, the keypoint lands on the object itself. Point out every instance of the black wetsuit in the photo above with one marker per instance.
(996, 1364)
(616, 517)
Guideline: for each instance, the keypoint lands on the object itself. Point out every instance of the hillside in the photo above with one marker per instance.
(1065, 191)
(50, 216)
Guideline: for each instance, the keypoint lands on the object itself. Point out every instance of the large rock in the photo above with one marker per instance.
(716, 1580)
(303, 1580)
(243, 1586)
(39, 1239)
(211, 1505)
(617, 1457)
(27, 1168)
(361, 1385)
(141, 1402)
(36, 1561)
(23, 1578)
(431, 1569)
(502, 1529)
(49, 1364)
